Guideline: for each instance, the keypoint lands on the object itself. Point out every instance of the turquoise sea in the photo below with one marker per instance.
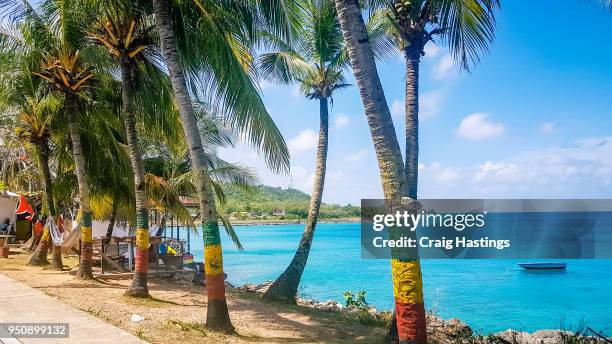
(490, 295)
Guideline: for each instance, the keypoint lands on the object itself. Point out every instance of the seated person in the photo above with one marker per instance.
(4, 227)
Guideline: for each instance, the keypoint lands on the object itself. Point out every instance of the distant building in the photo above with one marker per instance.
(278, 212)
(192, 205)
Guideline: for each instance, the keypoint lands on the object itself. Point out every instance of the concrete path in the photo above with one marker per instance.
(20, 304)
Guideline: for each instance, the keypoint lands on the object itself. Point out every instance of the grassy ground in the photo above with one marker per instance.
(176, 313)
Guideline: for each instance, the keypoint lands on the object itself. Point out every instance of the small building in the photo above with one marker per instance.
(192, 205)
(278, 212)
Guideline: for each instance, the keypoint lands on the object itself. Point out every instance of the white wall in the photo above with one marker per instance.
(7, 208)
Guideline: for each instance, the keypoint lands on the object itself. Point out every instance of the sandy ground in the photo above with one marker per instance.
(176, 313)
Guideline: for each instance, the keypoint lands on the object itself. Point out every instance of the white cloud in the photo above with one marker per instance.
(341, 120)
(357, 155)
(298, 172)
(445, 68)
(500, 172)
(436, 173)
(581, 169)
(477, 127)
(398, 108)
(430, 103)
(304, 141)
(547, 127)
(431, 50)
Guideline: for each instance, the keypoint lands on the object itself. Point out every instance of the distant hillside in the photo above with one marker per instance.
(265, 193)
(264, 199)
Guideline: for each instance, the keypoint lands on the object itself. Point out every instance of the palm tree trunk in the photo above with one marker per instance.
(111, 222)
(412, 139)
(407, 282)
(56, 260)
(217, 317)
(285, 287)
(39, 257)
(412, 124)
(85, 265)
(138, 287)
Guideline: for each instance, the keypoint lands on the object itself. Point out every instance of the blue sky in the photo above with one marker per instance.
(533, 120)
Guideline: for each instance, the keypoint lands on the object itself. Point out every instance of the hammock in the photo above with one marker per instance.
(56, 236)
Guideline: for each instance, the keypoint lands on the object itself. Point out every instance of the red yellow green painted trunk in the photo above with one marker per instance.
(213, 262)
(409, 307)
(86, 247)
(217, 317)
(139, 286)
(39, 257)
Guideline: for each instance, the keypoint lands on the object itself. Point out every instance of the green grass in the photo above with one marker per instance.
(148, 302)
(185, 326)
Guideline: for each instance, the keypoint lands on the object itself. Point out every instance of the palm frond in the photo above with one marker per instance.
(229, 229)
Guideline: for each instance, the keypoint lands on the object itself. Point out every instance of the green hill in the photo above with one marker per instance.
(265, 199)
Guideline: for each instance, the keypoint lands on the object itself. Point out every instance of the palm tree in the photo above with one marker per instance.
(169, 178)
(35, 122)
(316, 59)
(124, 31)
(52, 48)
(225, 68)
(69, 77)
(407, 280)
(35, 114)
(468, 27)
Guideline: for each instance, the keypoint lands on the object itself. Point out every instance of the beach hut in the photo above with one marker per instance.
(8, 205)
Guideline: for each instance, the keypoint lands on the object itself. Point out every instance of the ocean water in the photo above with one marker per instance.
(490, 295)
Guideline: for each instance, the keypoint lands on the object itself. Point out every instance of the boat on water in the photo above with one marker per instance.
(543, 266)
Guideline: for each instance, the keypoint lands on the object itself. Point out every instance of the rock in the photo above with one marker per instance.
(543, 337)
(457, 328)
(249, 287)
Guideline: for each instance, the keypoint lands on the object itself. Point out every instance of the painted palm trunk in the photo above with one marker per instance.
(409, 306)
(39, 257)
(214, 275)
(139, 287)
(86, 262)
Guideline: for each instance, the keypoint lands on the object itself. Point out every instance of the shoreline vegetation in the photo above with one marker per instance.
(263, 204)
(274, 222)
(174, 313)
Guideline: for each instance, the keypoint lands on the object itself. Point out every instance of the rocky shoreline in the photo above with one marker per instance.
(453, 331)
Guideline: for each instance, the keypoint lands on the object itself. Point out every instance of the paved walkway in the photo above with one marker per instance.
(20, 303)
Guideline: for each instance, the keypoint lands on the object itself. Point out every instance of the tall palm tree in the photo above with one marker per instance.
(36, 110)
(69, 77)
(468, 27)
(315, 57)
(53, 48)
(124, 31)
(35, 122)
(407, 280)
(187, 32)
(316, 62)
